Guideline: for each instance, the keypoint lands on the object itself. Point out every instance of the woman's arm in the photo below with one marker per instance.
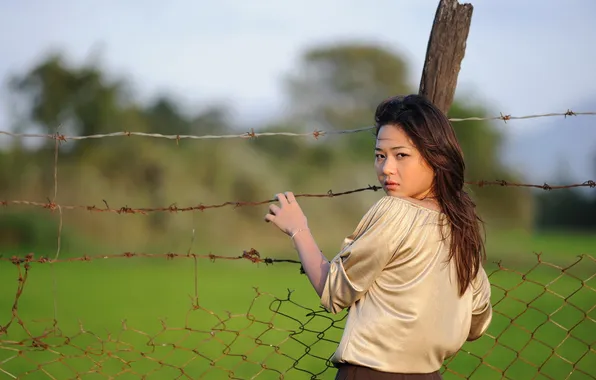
(313, 261)
(290, 219)
(344, 280)
(482, 311)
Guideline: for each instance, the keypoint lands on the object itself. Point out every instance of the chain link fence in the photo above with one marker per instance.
(544, 327)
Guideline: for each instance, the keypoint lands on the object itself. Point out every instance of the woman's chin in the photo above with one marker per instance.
(393, 193)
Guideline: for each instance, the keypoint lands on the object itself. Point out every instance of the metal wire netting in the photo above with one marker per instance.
(544, 327)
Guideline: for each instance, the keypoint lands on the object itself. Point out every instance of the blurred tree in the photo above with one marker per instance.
(566, 209)
(481, 144)
(339, 86)
(163, 116)
(82, 100)
(78, 100)
(212, 120)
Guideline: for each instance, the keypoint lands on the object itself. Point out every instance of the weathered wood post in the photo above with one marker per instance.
(445, 52)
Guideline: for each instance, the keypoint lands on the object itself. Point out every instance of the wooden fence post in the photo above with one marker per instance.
(445, 52)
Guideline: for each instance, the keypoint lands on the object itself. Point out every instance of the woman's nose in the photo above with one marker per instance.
(389, 167)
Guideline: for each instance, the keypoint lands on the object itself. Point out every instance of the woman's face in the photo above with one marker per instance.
(401, 169)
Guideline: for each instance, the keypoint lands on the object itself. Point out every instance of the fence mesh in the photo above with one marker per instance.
(544, 327)
(544, 324)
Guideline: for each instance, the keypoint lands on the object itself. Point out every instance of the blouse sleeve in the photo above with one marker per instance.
(365, 253)
(481, 307)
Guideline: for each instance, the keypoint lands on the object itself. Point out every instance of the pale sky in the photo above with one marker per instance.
(522, 57)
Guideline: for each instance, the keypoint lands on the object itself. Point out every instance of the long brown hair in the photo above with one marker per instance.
(434, 136)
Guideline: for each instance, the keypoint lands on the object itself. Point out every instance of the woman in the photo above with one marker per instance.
(411, 273)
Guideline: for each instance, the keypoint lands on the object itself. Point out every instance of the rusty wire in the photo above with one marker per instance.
(22, 343)
(252, 134)
(544, 326)
(251, 255)
(50, 205)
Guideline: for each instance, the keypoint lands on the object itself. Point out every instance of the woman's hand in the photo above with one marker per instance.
(288, 216)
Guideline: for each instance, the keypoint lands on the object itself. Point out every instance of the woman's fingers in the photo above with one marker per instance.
(274, 209)
(290, 197)
(281, 197)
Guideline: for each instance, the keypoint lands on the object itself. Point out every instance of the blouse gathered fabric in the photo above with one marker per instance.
(405, 313)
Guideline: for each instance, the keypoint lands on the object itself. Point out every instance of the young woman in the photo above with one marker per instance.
(411, 273)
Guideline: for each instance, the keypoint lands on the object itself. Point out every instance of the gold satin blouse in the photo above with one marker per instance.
(405, 314)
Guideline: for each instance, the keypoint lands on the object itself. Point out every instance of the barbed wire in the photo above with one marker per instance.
(543, 326)
(251, 255)
(252, 134)
(307, 334)
(51, 205)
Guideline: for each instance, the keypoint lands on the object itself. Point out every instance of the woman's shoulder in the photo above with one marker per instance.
(393, 203)
(397, 212)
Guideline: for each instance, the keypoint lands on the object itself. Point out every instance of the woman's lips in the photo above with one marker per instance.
(390, 185)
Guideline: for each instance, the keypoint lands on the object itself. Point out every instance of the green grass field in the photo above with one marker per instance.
(140, 311)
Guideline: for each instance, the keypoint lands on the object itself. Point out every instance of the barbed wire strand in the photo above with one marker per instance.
(252, 134)
(251, 255)
(43, 341)
(329, 194)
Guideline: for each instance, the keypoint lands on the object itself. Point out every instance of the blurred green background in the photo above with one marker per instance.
(338, 88)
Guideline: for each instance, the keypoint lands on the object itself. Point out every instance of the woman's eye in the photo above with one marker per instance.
(401, 155)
